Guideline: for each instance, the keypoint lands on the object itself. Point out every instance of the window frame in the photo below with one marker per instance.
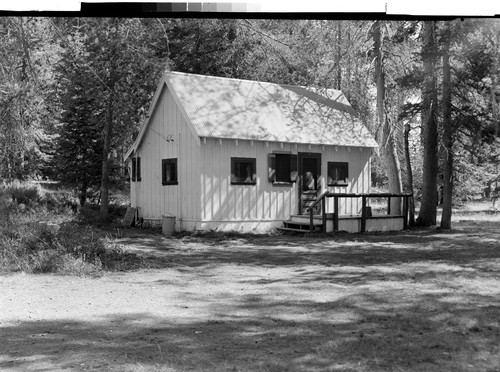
(291, 169)
(344, 166)
(164, 164)
(253, 163)
(136, 169)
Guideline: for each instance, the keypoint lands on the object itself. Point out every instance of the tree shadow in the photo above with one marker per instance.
(462, 248)
(352, 334)
(413, 301)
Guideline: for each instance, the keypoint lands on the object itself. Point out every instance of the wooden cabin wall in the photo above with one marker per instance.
(168, 136)
(358, 159)
(223, 202)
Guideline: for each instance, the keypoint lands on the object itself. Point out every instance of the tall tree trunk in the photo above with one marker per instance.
(495, 102)
(409, 174)
(108, 128)
(106, 157)
(427, 213)
(83, 192)
(338, 52)
(389, 150)
(447, 140)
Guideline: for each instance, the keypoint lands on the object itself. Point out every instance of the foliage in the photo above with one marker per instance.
(25, 77)
(69, 248)
(40, 232)
(65, 81)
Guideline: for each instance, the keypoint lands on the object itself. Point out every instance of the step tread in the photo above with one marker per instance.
(292, 230)
(303, 223)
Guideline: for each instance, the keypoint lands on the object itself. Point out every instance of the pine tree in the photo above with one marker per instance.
(79, 146)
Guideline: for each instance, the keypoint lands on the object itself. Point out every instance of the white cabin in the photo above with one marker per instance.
(230, 154)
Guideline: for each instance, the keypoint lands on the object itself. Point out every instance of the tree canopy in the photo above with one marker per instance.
(74, 91)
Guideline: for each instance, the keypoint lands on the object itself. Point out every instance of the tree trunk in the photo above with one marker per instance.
(108, 128)
(409, 174)
(495, 103)
(428, 206)
(388, 147)
(338, 52)
(447, 140)
(83, 192)
(106, 155)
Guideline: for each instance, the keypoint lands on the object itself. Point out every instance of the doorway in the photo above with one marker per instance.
(309, 181)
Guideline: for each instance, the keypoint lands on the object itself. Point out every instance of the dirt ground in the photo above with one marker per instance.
(422, 300)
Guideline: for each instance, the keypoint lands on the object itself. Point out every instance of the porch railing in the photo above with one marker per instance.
(364, 210)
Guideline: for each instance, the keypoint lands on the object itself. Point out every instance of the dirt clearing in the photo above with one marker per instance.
(415, 301)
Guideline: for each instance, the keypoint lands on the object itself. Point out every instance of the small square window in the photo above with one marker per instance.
(282, 168)
(243, 171)
(338, 174)
(136, 169)
(169, 171)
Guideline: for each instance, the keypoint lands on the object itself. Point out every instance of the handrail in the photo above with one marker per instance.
(311, 211)
(328, 194)
(321, 197)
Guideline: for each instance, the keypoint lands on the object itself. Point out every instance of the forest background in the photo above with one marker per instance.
(74, 92)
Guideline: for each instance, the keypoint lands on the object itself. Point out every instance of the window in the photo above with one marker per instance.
(136, 169)
(243, 171)
(282, 168)
(169, 171)
(338, 174)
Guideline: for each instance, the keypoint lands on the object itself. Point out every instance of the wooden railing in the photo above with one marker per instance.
(364, 214)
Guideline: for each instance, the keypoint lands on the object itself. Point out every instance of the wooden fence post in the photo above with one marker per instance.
(323, 208)
(363, 213)
(335, 213)
(405, 212)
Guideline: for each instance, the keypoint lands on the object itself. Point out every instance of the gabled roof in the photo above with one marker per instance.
(243, 109)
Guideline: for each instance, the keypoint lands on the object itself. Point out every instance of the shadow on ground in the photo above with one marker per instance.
(351, 338)
(421, 300)
(468, 246)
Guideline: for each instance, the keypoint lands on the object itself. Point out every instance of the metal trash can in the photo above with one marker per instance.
(167, 225)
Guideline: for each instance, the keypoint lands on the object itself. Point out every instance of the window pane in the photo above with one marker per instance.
(169, 171)
(243, 170)
(282, 167)
(338, 173)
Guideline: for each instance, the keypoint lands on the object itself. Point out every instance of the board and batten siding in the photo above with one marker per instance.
(168, 136)
(263, 205)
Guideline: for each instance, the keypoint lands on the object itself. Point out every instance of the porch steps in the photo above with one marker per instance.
(300, 224)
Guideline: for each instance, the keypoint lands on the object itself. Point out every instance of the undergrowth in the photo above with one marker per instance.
(43, 231)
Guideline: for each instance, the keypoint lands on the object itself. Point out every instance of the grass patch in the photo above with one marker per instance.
(41, 232)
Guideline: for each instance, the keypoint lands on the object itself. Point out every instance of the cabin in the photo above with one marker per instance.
(228, 154)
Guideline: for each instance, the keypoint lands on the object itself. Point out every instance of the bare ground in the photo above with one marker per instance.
(422, 300)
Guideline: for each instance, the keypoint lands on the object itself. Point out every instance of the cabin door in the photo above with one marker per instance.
(309, 182)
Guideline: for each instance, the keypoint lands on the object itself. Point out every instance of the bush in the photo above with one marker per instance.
(24, 193)
(69, 249)
(61, 201)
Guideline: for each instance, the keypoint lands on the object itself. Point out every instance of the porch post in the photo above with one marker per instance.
(405, 212)
(323, 209)
(363, 213)
(335, 213)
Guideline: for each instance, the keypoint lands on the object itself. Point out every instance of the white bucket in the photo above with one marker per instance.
(167, 225)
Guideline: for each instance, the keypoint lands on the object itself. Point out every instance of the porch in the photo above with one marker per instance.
(320, 219)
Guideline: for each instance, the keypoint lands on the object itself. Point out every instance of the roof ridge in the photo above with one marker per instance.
(258, 81)
(222, 77)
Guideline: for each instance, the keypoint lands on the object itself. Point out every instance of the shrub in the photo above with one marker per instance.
(30, 245)
(71, 249)
(24, 193)
(61, 201)
(89, 214)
